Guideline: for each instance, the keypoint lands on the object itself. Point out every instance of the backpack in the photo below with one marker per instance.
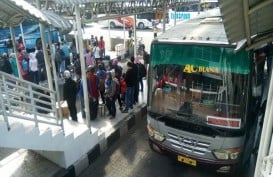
(25, 65)
(117, 92)
(142, 70)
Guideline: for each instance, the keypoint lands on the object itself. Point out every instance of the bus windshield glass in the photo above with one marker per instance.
(207, 84)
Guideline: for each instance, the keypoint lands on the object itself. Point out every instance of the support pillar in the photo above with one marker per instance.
(12, 34)
(84, 82)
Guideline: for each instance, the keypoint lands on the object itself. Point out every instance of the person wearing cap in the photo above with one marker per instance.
(5, 64)
(69, 94)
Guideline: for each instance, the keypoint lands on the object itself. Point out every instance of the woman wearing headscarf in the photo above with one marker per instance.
(13, 64)
(33, 68)
(69, 94)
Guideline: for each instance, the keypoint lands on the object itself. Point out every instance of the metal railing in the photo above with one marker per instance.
(28, 101)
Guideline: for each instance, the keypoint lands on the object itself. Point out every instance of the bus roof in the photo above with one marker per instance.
(200, 30)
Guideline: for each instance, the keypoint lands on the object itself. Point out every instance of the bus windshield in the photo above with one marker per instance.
(205, 87)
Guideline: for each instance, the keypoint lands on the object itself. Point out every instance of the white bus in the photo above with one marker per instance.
(128, 22)
(201, 109)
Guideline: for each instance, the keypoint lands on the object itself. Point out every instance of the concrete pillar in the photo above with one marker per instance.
(46, 58)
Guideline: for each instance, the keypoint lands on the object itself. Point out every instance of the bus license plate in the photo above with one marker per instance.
(186, 160)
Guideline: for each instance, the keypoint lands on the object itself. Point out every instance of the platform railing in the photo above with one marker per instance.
(21, 99)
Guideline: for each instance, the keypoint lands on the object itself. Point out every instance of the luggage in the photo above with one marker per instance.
(64, 107)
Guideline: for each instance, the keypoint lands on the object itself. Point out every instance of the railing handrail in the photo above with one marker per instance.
(37, 103)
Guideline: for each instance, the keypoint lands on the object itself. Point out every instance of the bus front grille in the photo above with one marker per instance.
(188, 144)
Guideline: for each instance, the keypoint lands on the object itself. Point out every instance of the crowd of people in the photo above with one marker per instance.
(31, 62)
(106, 83)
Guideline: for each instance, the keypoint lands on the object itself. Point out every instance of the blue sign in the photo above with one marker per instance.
(180, 16)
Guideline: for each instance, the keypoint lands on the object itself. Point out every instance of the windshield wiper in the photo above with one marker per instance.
(159, 116)
(187, 117)
(196, 119)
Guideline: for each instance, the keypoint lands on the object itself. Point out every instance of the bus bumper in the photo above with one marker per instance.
(227, 166)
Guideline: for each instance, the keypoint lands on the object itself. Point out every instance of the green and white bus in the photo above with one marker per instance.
(201, 108)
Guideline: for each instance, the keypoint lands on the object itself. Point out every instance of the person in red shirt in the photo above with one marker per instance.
(101, 45)
(123, 87)
(93, 93)
(20, 44)
(21, 55)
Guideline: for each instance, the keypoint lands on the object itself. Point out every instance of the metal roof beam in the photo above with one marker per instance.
(124, 7)
(266, 39)
(246, 21)
(259, 6)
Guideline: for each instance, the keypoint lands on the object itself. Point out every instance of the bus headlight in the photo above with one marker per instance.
(155, 134)
(225, 154)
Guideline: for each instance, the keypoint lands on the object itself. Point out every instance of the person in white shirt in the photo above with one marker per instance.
(33, 68)
(96, 52)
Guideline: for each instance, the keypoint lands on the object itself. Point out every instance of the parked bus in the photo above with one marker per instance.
(128, 22)
(31, 32)
(201, 108)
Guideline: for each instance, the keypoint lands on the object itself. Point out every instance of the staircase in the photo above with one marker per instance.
(29, 119)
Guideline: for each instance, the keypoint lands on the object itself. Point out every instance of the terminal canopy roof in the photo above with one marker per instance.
(13, 12)
(71, 2)
(249, 20)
